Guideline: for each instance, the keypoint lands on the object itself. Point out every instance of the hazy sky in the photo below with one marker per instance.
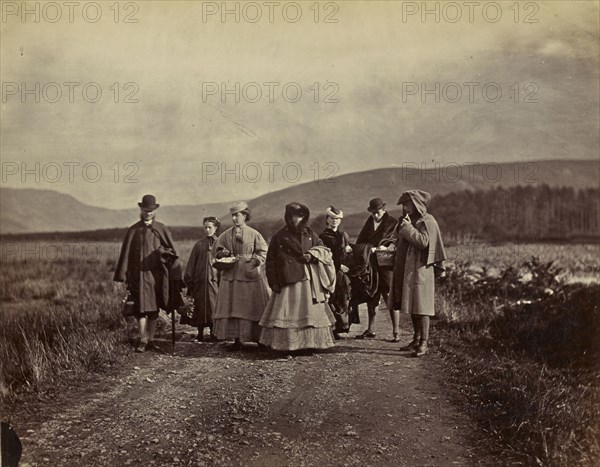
(375, 61)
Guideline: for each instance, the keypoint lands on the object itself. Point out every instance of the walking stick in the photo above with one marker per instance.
(173, 330)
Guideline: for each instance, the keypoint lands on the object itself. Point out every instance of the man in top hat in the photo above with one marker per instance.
(379, 226)
(146, 257)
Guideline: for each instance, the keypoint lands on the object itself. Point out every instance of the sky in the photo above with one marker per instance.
(200, 107)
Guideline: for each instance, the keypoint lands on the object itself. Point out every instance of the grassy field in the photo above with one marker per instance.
(520, 342)
(519, 336)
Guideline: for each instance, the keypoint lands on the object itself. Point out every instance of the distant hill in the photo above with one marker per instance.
(352, 192)
(30, 210)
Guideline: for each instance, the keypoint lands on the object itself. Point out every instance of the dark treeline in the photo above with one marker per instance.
(521, 213)
(530, 212)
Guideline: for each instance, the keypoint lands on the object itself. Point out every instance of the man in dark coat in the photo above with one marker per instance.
(379, 226)
(144, 263)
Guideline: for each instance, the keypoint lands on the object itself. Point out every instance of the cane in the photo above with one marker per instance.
(173, 330)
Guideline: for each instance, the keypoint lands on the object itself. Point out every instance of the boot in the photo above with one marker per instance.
(411, 346)
(421, 349)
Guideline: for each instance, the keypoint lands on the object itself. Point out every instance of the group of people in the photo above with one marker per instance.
(300, 291)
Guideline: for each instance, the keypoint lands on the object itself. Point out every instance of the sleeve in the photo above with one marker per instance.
(317, 241)
(390, 231)
(394, 236)
(260, 248)
(271, 263)
(121, 269)
(188, 276)
(417, 237)
(169, 240)
(220, 245)
(362, 236)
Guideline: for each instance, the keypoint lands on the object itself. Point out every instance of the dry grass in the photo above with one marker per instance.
(60, 314)
(527, 371)
(59, 320)
(577, 259)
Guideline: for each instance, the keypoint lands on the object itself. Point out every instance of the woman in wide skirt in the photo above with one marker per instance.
(301, 274)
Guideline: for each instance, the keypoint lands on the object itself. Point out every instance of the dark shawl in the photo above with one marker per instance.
(285, 257)
(144, 262)
(336, 241)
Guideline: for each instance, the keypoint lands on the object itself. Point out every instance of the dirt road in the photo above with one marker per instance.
(361, 403)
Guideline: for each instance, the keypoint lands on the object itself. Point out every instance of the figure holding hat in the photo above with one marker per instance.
(419, 255)
(144, 265)
(378, 227)
(243, 290)
(338, 242)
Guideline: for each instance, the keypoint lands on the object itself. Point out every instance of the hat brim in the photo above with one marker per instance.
(375, 209)
(151, 206)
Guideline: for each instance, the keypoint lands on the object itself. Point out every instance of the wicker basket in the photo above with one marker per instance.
(385, 258)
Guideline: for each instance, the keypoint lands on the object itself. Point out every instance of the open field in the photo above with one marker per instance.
(521, 356)
(574, 258)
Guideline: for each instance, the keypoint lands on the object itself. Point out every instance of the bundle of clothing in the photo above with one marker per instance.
(364, 278)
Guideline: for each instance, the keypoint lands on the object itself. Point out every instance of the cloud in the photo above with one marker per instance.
(368, 54)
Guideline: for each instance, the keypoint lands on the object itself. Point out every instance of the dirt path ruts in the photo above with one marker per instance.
(361, 403)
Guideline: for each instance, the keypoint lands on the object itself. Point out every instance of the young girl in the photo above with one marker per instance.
(202, 279)
(419, 251)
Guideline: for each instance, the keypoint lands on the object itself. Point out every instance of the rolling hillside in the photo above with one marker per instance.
(29, 210)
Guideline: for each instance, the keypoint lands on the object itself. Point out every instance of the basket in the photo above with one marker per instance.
(128, 307)
(385, 258)
(224, 264)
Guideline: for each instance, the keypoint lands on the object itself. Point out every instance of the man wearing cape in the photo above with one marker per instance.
(144, 263)
(419, 258)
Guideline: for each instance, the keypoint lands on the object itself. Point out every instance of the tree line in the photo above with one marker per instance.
(519, 213)
(524, 212)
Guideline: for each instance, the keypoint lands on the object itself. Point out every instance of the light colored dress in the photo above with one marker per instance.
(299, 317)
(243, 290)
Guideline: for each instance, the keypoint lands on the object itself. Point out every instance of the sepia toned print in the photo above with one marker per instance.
(299, 233)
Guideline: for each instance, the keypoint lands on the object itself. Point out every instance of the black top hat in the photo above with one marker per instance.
(148, 202)
(375, 205)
